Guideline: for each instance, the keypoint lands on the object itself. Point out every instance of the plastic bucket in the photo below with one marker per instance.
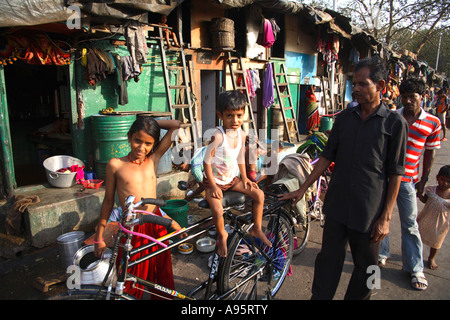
(59, 179)
(68, 245)
(177, 209)
(111, 140)
(326, 123)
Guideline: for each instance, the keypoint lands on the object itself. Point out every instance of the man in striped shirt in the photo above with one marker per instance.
(424, 131)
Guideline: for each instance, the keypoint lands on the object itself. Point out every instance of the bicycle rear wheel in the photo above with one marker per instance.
(247, 271)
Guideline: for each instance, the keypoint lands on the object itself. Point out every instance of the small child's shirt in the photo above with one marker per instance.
(224, 164)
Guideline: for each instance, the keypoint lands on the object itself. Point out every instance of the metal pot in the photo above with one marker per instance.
(93, 270)
(59, 179)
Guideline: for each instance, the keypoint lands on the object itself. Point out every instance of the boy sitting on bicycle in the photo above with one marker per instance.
(135, 174)
(224, 159)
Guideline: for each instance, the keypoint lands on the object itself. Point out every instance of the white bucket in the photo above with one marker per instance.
(59, 179)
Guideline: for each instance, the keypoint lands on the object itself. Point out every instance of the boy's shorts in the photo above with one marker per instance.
(223, 187)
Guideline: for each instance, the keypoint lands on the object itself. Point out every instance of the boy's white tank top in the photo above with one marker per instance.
(224, 164)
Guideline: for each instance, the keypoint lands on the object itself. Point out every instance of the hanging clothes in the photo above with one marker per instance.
(96, 68)
(268, 93)
(120, 84)
(130, 69)
(275, 28)
(266, 38)
(136, 42)
(249, 79)
(106, 58)
(256, 80)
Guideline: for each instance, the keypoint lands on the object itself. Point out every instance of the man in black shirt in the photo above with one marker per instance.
(367, 145)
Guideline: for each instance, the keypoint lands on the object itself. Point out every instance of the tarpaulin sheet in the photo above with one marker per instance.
(33, 12)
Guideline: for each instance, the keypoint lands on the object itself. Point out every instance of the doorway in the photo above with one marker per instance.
(209, 90)
(38, 99)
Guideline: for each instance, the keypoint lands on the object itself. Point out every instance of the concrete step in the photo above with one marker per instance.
(63, 210)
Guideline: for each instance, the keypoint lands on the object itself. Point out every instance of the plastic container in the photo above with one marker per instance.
(68, 245)
(326, 123)
(90, 175)
(92, 184)
(177, 209)
(59, 179)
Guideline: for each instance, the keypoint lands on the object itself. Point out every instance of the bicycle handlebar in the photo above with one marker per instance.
(157, 202)
(148, 218)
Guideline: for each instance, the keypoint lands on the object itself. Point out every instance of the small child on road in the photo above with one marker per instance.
(433, 219)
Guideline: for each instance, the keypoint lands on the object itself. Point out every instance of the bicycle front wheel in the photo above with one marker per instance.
(246, 274)
(87, 293)
(301, 229)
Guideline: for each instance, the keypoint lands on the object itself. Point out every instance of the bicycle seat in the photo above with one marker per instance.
(230, 199)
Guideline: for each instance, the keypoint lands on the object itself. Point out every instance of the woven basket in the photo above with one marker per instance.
(222, 40)
(222, 24)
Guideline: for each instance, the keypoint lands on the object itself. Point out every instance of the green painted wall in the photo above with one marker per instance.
(148, 94)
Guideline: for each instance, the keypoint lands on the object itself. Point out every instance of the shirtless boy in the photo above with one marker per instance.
(135, 174)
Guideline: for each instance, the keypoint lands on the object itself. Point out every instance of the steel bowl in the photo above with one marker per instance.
(205, 244)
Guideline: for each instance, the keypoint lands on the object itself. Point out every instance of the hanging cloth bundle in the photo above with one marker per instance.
(266, 38)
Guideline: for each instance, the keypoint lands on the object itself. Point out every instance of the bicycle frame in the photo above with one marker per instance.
(128, 252)
(128, 219)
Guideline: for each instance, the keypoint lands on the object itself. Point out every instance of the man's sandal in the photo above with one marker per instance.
(418, 281)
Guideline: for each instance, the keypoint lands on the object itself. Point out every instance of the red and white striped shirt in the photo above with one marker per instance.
(424, 132)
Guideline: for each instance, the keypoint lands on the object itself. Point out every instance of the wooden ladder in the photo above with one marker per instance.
(326, 94)
(282, 88)
(182, 90)
(235, 73)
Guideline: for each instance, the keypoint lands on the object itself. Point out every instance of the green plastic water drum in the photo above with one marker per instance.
(111, 141)
(326, 123)
(177, 209)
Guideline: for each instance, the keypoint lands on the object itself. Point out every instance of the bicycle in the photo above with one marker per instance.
(301, 224)
(237, 276)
